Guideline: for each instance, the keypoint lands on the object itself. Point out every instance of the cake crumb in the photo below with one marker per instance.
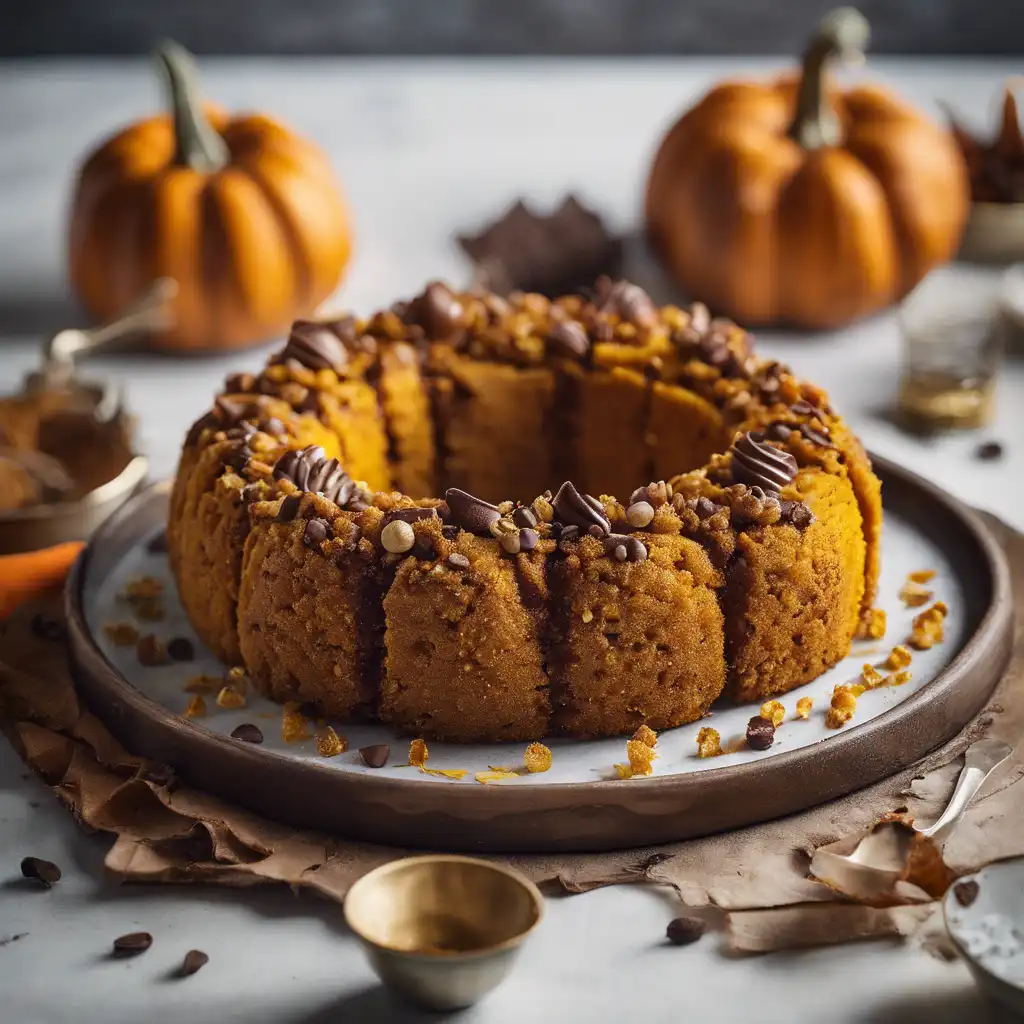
(645, 734)
(872, 625)
(928, 627)
(329, 743)
(537, 758)
(202, 683)
(922, 576)
(774, 711)
(803, 707)
(294, 726)
(913, 594)
(230, 699)
(899, 657)
(709, 743)
(899, 678)
(196, 707)
(870, 676)
(844, 703)
(418, 753)
(641, 757)
(121, 634)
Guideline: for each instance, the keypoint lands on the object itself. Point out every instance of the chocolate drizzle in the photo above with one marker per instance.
(758, 464)
(311, 470)
(580, 510)
(314, 346)
(474, 515)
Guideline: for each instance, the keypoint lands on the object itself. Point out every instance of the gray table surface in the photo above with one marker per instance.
(424, 148)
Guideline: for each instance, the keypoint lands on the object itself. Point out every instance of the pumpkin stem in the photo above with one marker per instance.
(197, 143)
(844, 34)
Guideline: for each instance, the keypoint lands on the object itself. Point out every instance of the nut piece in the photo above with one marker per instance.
(196, 707)
(45, 872)
(397, 537)
(195, 959)
(640, 514)
(899, 657)
(230, 699)
(709, 743)
(121, 634)
(774, 712)
(132, 944)
(418, 753)
(537, 758)
(927, 630)
(913, 594)
(844, 703)
(150, 651)
(247, 733)
(760, 733)
(871, 677)
(872, 625)
(899, 678)
(294, 727)
(329, 743)
(803, 707)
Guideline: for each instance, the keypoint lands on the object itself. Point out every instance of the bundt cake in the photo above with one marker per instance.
(307, 548)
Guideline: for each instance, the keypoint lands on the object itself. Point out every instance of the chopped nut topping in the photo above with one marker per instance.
(927, 631)
(196, 707)
(899, 678)
(294, 726)
(202, 684)
(709, 743)
(121, 634)
(537, 758)
(844, 703)
(899, 657)
(872, 625)
(640, 514)
(645, 734)
(913, 595)
(230, 699)
(870, 676)
(803, 707)
(922, 576)
(640, 757)
(329, 743)
(150, 651)
(774, 712)
(418, 753)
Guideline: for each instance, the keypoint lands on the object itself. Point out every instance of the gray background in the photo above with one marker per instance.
(467, 27)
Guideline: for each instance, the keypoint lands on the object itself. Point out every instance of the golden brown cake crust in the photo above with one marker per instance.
(506, 611)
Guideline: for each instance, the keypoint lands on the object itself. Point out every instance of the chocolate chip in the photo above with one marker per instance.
(965, 892)
(45, 872)
(239, 382)
(760, 733)
(157, 544)
(580, 510)
(989, 451)
(46, 628)
(375, 756)
(473, 514)
(314, 346)
(780, 431)
(289, 508)
(685, 930)
(181, 649)
(569, 337)
(247, 733)
(804, 408)
(437, 311)
(132, 944)
(316, 532)
(195, 959)
(818, 437)
(524, 518)
(629, 301)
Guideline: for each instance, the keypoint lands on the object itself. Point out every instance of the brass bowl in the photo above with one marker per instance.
(43, 526)
(440, 930)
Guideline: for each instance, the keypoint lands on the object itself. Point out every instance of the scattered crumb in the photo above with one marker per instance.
(143, 588)
(844, 703)
(203, 684)
(624, 771)
(899, 678)
(588, 615)
(870, 677)
(329, 743)
(988, 451)
(872, 625)
(238, 678)
(927, 631)
(121, 634)
(774, 711)
(645, 734)
(803, 707)
(418, 753)
(230, 699)
(899, 657)
(913, 595)
(294, 727)
(709, 743)
(641, 757)
(922, 576)
(150, 651)
(148, 611)
(196, 707)
(537, 758)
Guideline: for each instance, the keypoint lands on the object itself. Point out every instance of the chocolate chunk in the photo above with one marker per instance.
(624, 548)
(685, 930)
(310, 470)
(410, 515)
(626, 300)
(580, 510)
(760, 733)
(797, 514)
(310, 404)
(437, 311)
(528, 539)
(289, 508)
(46, 628)
(758, 464)
(375, 756)
(195, 959)
(45, 872)
(157, 544)
(524, 518)
(315, 346)
(181, 649)
(569, 338)
(132, 944)
(802, 407)
(239, 382)
(552, 255)
(474, 515)
(316, 532)
(989, 451)
(457, 561)
(966, 892)
(450, 531)
(247, 733)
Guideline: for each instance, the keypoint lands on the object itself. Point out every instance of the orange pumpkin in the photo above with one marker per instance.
(793, 201)
(243, 214)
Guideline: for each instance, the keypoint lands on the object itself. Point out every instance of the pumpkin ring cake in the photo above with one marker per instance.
(307, 548)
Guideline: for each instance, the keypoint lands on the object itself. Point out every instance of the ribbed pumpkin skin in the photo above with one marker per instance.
(253, 246)
(766, 231)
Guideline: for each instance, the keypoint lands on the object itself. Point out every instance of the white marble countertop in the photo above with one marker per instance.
(424, 148)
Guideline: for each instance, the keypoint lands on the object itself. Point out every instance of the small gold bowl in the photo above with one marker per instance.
(442, 931)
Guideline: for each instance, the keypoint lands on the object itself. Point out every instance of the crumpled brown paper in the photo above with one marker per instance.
(164, 833)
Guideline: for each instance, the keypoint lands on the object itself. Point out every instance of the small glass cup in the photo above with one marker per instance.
(954, 334)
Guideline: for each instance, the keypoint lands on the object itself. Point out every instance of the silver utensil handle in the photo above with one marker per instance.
(981, 759)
